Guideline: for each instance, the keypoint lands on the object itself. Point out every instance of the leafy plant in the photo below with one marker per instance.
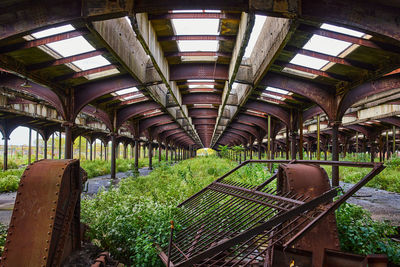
(359, 234)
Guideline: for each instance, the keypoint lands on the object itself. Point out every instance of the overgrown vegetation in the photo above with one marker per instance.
(9, 180)
(128, 219)
(359, 234)
(388, 179)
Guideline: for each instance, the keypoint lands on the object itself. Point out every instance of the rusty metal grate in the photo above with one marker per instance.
(236, 224)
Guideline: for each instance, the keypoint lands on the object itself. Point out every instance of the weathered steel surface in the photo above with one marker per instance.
(311, 181)
(230, 223)
(45, 225)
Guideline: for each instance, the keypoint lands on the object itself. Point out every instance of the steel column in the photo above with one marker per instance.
(52, 146)
(301, 135)
(91, 151)
(59, 147)
(335, 154)
(136, 165)
(5, 157)
(37, 146)
(150, 155)
(68, 141)
(113, 156)
(318, 137)
(44, 148)
(30, 146)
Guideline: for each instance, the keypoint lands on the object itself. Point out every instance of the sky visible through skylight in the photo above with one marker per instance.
(323, 45)
(196, 27)
(71, 47)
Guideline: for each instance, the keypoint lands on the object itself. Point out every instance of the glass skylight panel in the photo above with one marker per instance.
(343, 30)
(201, 81)
(102, 74)
(132, 97)
(91, 63)
(53, 31)
(126, 91)
(300, 73)
(277, 90)
(206, 46)
(196, 26)
(309, 62)
(258, 25)
(71, 47)
(326, 45)
(200, 86)
(273, 96)
(197, 11)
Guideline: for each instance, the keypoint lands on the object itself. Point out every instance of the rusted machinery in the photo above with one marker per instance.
(291, 224)
(45, 225)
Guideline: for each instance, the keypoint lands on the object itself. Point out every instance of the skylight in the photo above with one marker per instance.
(197, 11)
(206, 46)
(309, 62)
(91, 63)
(200, 86)
(195, 26)
(126, 91)
(343, 30)
(258, 25)
(326, 45)
(277, 90)
(71, 47)
(273, 96)
(132, 97)
(299, 73)
(53, 31)
(201, 81)
(101, 74)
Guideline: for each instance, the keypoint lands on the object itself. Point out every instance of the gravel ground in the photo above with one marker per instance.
(382, 204)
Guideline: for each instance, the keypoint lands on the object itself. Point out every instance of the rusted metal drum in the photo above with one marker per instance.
(45, 224)
(311, 181)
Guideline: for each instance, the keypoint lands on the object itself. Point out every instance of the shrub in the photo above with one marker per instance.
(359, 234)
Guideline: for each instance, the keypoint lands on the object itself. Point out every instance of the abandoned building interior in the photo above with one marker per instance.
(301, 82)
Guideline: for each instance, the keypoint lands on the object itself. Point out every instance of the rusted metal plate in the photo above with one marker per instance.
(45, 225)
(311, 181)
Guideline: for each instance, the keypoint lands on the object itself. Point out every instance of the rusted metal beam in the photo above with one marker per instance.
(196, 38)
(311, 71)
(198, 54)
(134, 110)
(351, 39)
(337, 60)
(150, 122)
(118, 97)
(203, 113)
(65, 60)
(316, 93)
(198, 71)
(381, 19)
(195, 15)
(84, 73)
(43, 41)
(276, 111)
(203, 121)
(201, 98)
(86, 93)
(367, 89)
(129, 102)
